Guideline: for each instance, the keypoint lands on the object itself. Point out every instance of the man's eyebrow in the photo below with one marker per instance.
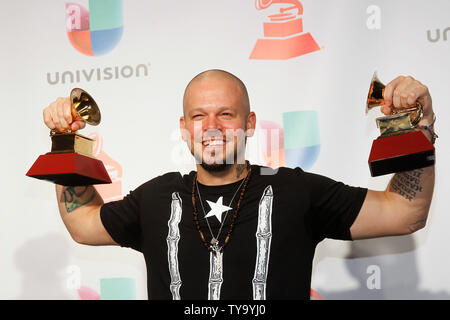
(203, 109)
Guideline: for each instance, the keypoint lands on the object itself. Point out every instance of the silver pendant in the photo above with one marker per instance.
(215, 273)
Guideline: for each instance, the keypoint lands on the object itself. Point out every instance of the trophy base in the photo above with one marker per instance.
(71, 143)
(402, 152)
(69, 169)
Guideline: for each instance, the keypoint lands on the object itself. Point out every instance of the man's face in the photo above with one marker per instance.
(215, 122)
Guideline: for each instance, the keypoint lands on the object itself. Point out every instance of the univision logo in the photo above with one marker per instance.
(295, 143)
(437, 36)
(96, 31)
(99, 74)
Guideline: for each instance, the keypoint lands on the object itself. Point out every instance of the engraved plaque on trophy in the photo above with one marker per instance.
(400, 146)
(70, 161)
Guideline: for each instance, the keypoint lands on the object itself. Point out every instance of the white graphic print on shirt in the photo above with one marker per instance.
(263, 241)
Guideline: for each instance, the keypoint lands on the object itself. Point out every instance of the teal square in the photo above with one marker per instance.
(105, 14)
(118, 289)
(301, 129)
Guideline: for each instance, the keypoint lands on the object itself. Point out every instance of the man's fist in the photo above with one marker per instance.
(403, 92)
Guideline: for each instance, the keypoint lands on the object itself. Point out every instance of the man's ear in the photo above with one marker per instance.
(251, 124)
(183, 129)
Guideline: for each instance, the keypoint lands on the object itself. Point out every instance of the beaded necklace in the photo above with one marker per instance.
(213, 246)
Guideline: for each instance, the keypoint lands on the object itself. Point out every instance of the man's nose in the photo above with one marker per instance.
(212, 122)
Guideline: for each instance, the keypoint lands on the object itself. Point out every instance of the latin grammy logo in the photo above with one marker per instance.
(283, 33)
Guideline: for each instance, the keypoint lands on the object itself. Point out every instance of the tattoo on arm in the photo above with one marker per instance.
(419, 224)
(75, 197)
(407, 184)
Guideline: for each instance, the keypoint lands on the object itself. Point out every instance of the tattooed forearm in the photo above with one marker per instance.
(75, 197)
(407, 184)
(408, 199)
(417, 225)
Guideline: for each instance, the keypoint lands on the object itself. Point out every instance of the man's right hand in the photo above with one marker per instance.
(58, 116)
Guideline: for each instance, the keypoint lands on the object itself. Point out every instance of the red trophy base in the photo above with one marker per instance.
(69, 169)
(402, 152)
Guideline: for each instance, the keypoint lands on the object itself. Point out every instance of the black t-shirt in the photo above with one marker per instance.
(282, 217)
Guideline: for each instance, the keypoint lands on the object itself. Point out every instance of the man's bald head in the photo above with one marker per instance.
(216, 108)
(217, 75)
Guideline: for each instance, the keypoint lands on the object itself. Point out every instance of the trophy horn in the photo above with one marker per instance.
(375, 97)
(84, 107)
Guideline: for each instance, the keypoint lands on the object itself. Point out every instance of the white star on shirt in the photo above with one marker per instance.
(217, 208)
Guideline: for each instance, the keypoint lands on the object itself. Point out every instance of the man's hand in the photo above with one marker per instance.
(403, 92)
(58, 116)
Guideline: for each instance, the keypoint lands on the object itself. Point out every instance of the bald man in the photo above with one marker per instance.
(226, 231)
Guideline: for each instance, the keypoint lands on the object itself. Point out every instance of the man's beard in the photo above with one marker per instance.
(222, 163)
(215, 167)
(237, 155)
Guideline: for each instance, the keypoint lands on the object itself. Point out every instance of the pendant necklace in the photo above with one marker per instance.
(213, 245)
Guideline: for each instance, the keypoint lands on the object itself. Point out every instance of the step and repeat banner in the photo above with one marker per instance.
(307, 66)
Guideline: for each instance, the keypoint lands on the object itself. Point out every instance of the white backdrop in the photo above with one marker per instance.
(169, 43)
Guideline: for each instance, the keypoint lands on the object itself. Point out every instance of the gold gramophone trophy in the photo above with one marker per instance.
(70, 161)
(400, 147)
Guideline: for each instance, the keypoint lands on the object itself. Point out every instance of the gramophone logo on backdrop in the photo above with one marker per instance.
(283, 33)
(96, 31)
(112, 191)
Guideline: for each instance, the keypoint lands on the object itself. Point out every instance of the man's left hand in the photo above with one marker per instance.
(403, 92)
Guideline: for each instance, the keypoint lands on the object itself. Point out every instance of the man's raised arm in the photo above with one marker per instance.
(403, 207)
(79, 206)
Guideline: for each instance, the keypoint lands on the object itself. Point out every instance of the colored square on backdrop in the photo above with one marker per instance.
(301, 129)
(105, 14)
(118, 289)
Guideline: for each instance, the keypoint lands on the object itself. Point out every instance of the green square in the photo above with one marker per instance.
(105, 14)
(301, 129)
(118, 289)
